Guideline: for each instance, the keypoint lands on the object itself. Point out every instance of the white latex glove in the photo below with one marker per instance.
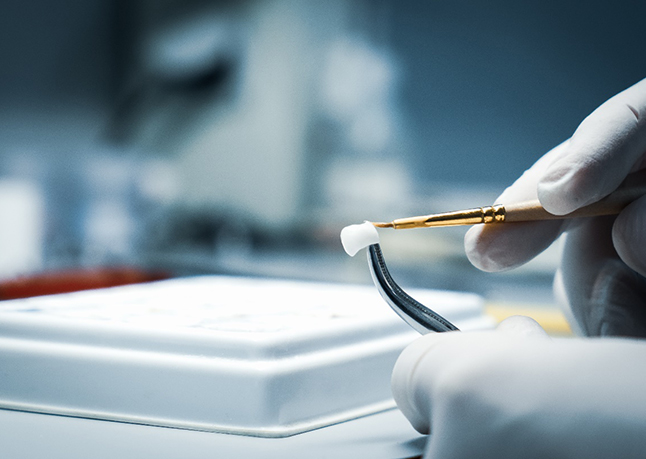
(604, 261)
(504, 394)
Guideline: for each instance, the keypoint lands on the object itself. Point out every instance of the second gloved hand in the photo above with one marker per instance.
(515, 393)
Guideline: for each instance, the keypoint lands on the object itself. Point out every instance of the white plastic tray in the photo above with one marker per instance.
(237, 355)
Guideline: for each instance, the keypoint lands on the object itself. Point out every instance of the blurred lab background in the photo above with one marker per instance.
(152, 138)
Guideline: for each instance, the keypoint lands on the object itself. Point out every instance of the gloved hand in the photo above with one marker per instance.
(601, 278)
(516, 393)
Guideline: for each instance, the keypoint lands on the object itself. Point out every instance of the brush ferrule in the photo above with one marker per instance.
(489, 214)
(493, 214)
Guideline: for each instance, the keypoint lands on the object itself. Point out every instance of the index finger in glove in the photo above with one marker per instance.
(607, 146)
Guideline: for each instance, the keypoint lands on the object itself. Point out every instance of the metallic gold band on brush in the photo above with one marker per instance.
(488, 214)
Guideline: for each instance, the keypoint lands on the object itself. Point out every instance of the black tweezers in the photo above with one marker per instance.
(415, 314)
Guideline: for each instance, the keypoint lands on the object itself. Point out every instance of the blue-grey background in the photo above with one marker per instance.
(485, 84)
(493, 85)
(298, 118)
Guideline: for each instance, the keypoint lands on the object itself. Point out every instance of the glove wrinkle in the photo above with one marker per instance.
(616, 305)
(587, 250)
(633, 110)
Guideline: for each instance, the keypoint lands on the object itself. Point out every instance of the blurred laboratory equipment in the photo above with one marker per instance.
(239, 137)
(21, 224)
(221, 127)
(238, 97)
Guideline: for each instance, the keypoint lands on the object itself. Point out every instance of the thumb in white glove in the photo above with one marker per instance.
(505, 394)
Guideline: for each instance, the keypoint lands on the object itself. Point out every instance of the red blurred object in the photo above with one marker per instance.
(73, 280)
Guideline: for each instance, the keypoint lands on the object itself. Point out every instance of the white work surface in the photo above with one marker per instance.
(209, 363)
(23, 435)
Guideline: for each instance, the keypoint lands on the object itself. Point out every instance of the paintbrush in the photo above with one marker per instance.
(632, 188)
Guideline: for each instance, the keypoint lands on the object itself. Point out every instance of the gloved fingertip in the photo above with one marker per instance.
(521, 326)
(477, 248)
(495, 248)
(403, 381)
(472, 248)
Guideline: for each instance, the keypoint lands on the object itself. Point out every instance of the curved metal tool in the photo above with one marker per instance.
(415, 314)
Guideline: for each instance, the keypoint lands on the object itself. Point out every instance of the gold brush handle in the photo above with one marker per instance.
(631, 189)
